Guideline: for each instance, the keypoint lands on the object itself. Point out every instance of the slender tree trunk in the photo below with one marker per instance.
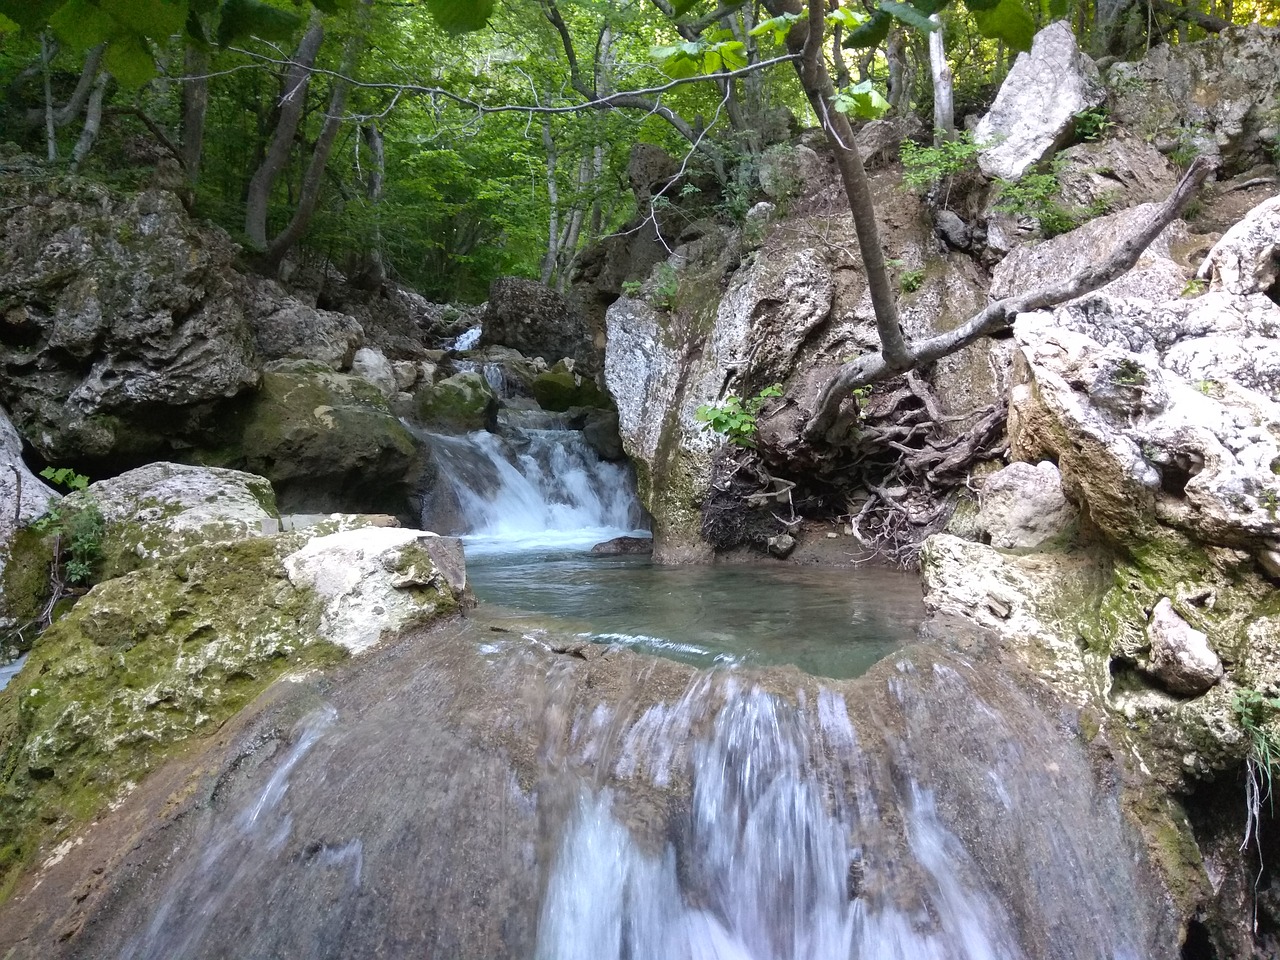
(944, 123)
(292, 102)
(92, 121)
(195, 106)
(50, 130)
(373, 271)
(553, 195)
(597, 206)
(900, 73)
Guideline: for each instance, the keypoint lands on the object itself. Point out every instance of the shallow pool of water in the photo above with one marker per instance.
(831, 622)
(10, 670)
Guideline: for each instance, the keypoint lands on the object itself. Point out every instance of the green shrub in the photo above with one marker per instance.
(736, 418)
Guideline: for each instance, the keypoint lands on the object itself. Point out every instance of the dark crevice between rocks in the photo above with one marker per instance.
(1243, 917)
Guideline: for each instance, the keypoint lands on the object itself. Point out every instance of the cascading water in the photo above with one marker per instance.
(463, 797)
(536, 487)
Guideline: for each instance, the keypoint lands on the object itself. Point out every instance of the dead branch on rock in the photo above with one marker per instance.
(896, 358)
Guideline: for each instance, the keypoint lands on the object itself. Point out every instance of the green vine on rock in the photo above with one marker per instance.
(735, 418)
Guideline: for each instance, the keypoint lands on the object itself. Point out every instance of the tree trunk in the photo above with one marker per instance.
(900, 72)
(553, 196)
(92, 121)
(50, 130)
(292, 103)
(373, 271)
(944, 123)
(195, 105)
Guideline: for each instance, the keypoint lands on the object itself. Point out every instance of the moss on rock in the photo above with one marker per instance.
(464, 401)
(140, 665)
(560, 389)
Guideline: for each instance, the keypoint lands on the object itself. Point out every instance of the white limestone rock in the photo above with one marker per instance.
(1246, 259)
(23, 497)
(164, 508)
(1023, 505)
(373, 366)
(787, 171)
(1181, 659)
(1033, 111)
(376, 581)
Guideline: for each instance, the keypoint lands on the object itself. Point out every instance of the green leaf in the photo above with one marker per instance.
(29, 14)
(681, 7)
(242, 19)
(7, 25)
(872, 33)
(779, 26)
(1057, 9)
(332, 7)
(1009, 21)
(130, 60)
(977, 5)
(847, 17)
(461, 16)
(732, 55)
(908, 15)
(149, 18)
(81, 25)
(861, 100)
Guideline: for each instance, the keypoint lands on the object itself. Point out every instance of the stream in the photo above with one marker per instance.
(793, 778)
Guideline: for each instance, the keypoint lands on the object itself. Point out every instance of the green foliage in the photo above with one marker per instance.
(736, 418)
(911, 280)
(632, 288)
(1127, 373)
(666, 287)
(1254, 712)
(1007, 21)
(861, 100)
(716, 52)
(1193, 287)
(79, 531)
(1036, 195)
(1092, 123)
(461, 16)
(65, 477)
(925, 166)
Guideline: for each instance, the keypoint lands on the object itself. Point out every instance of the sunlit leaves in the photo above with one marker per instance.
(778, 26)
(847, 17)
(860, 100)
(692, 58)
(81, 25)
(908, 14)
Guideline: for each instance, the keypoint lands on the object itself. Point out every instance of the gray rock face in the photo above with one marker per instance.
(1212, 96)
(1120, 171)
(1181, 659)
(537, 321)
(114, 308)
(23, 497)
(954, 231)
(624, 545)
(1033, 111)
(288, 329)
(1156, 276)
(376, 368)
(787, 171)
(1023, 505)
(1105, 388)
(1247, 258)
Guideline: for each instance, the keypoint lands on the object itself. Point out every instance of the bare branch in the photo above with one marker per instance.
(998, 316)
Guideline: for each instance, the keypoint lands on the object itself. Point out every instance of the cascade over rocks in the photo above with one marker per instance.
(1035, 109)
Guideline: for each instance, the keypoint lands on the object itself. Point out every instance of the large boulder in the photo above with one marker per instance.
(1023, 505)
(537, 321)
(118, 315)
(1114, 172)
(1034, 111)
(1182, 660)
(464, 402)
(286, 328)
(25, 497)
(1247, 257)
(1214, 96)
(161, 509)
(327, 442)
(559, 389)
(1161, 272)
(168, 653)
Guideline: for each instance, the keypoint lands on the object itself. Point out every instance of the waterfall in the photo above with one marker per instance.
(537, 485)
(475, 796)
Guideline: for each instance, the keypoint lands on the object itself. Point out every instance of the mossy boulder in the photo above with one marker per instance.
(559, 389)
(464, 401)
(163, 509)
(165, 654)
(328, 442)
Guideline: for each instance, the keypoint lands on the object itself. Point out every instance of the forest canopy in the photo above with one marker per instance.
(447, 142)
